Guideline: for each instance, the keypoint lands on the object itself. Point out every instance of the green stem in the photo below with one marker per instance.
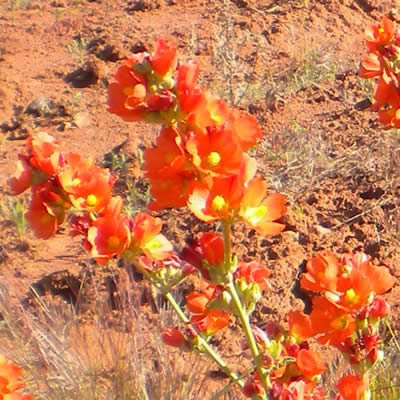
(203, 344)
(243, 316)
(226, 227)
(244, 319)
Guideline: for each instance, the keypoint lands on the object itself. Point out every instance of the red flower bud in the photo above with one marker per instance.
(293, 350)
(373, 355)
(251, 388)
(378, 308)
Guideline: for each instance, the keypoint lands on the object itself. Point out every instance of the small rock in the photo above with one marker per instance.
(40, 107)
(85, 76)
(82, 120)
(322, 230)
(22, 247)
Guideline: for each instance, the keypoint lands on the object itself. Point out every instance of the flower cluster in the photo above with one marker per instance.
(383, 63)
(199, 159)
(10, 381)
(211, 305)
(65, 183)
(346, 313)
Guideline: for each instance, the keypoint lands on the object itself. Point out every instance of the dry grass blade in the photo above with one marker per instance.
(116, 355)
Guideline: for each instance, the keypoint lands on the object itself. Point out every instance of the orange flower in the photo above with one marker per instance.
(206, 320)
(300, 326)
(215, 151)
(352, 387)
(171, 192)
(10, 374)
(348, 283)
(18, 396)
(259, 212)
(128, 91)
(309, 363)
(108, 236)
(46, 211)
(210, 111)
(211, 321)
(88, 186)
(44, 159)
(212, 246)
(189, 95)
(170, 173)
(144, 227)
(390, 117)
(385, 92)
(322, 272)
(217, 198)
(23, 177)
(145, 234)
(10, 381)
(197, 302)
(378, 36)
(378, 308)
(114, 207)
(332, 324)
(379, 277)
(253, 272)
(164, 57)
(210, 203)
(167, 158)
(371, 66)
(209, 248)
(45, 151)
(245, 128)
(359, 279)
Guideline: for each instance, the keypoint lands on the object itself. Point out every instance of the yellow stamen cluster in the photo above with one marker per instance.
(213, 159)
(351, 297)
(216, 118)
(345, 270)
(339, 323)
(219, 204)
(154, 244)
(91, 200)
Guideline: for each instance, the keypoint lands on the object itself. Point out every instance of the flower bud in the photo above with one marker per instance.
(252, 388)
(173, 337)
(379, 308)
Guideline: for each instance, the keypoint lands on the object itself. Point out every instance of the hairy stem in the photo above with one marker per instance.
(243, 315)
(202, 342)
